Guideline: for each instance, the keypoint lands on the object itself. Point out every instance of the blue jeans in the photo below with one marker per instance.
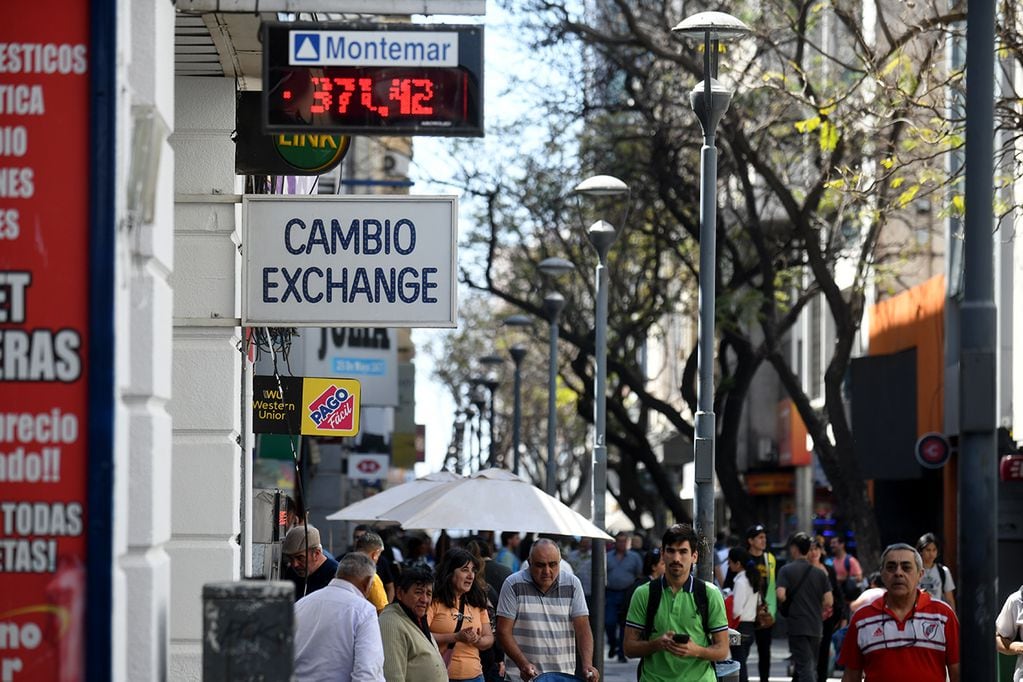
(611, 606)
(478, 678)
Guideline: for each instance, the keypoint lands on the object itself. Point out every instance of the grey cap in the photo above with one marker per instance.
(296, 540)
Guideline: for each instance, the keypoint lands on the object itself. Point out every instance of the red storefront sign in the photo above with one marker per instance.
(44, 325)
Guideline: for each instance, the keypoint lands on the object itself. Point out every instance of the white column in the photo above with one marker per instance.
(206, 364)
(144, 313)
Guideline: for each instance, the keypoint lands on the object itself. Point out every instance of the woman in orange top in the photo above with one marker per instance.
(458, 598)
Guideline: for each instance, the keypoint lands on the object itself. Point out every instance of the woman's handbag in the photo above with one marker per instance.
(764, 618)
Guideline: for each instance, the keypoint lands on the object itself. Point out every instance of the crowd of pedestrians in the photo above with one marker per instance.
(474, 611)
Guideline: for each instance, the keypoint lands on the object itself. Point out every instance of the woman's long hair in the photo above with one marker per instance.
(752, 572)
(444, 592)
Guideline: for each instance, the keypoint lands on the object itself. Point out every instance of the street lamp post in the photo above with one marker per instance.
(710, 101)
(553, 304)
(602, 235)
(491, 382)
(518, 353)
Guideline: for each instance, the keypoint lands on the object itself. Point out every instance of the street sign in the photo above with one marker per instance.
(367, 467)
(308, 406)
(349, 261)
(385, 79)
(933, 451)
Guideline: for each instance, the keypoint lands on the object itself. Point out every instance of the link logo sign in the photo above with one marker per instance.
(345, 261)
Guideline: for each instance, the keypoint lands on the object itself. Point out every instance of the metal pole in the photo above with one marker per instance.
(492, 461)
(599, 576)
(553, 304)
(978, 489)
(705, 419)
(517, 353)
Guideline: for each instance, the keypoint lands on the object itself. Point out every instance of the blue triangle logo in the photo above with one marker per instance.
(307, 47)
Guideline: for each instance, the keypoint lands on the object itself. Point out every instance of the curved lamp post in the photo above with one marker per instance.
(553, 304)
(602, 235)
(710, 101)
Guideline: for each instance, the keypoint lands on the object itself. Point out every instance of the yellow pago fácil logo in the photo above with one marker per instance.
(330, 407)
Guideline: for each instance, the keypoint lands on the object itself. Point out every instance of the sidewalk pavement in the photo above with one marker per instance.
(626, 672)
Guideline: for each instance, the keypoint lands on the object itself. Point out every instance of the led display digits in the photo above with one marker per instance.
(393, 86)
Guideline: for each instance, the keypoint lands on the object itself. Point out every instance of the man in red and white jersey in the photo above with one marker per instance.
(904, 630)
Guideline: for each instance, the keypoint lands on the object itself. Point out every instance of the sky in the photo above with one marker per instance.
(432, 162)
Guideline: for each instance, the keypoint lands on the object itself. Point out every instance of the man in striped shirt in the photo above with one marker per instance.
(903, 630)
(542, 617)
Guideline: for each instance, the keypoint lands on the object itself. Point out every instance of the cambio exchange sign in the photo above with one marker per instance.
(341, 261)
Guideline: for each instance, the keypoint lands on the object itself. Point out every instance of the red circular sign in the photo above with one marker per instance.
(368, 466)
(932, 450)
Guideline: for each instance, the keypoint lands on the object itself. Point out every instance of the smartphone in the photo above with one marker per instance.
(681, 638)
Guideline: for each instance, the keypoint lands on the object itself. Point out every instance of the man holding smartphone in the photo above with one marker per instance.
(688, 629)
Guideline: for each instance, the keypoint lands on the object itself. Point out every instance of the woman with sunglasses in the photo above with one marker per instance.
(458, 616)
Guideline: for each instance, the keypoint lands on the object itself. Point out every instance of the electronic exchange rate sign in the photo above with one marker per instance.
(384, 80)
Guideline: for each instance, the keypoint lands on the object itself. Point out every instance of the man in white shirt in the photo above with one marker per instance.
(337, 636)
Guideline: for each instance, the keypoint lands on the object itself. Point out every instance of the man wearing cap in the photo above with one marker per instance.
(756, 544)
(311, 568)
(337, 635)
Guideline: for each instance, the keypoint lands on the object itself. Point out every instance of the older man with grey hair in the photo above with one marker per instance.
(337, 636)
(542, 618)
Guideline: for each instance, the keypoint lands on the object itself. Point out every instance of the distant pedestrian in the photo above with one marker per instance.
(677, 624)
(904, 634)
(745, 599)
(806, 595)
(766, 564)
(1009, 631)
(624, 567)
(337, 636)
(458, 616)
(310, 568)
(542, 618)
(847, 568)
(937, 579)
(370, 544)
(835, 617)
(508, 554)
(410, 651)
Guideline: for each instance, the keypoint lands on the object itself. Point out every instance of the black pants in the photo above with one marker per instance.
(763, 640)
(741, 652)
(824, 654)
(804, 657)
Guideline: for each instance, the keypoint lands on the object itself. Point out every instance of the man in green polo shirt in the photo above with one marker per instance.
(680, 646)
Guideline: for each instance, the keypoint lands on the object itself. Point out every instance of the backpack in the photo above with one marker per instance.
(654, 603)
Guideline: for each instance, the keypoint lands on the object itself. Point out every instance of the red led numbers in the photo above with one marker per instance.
(406, 96)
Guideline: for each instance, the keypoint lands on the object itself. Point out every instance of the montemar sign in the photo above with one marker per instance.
(349, 261)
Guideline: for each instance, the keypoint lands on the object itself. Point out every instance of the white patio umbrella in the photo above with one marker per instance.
(492, 499)
(373, 508)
